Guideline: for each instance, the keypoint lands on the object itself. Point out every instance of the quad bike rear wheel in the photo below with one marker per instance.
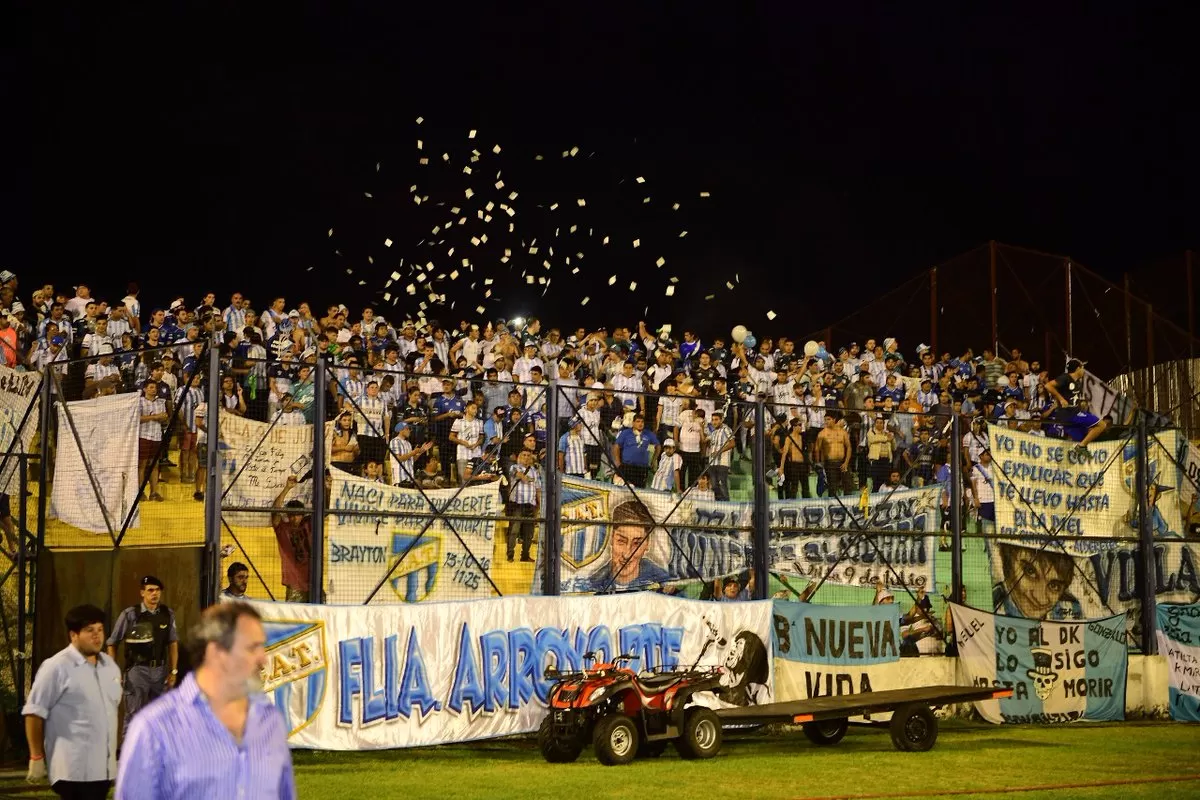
(615, 740)
(701, 734)
(557, 750)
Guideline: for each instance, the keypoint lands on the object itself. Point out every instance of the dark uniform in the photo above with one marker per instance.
(147, 636)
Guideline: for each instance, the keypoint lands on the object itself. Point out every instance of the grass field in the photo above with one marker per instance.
(1126, 760)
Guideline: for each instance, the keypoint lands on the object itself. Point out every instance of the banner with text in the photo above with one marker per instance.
(256, 460)
(1179, 639)
(1045, 490)
(904, 561)
(832, 650)
(19, 400)
(697, 542)
(96, 476)
(1058, 671)
(358, 678)
(419, 558)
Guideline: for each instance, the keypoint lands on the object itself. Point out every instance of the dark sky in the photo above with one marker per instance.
(846, 147)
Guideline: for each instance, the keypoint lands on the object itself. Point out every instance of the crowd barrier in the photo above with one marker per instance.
(767, 508)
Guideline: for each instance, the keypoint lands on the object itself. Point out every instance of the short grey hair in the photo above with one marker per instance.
(217, 624)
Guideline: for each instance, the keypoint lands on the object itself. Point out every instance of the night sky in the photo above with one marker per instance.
(847, 148)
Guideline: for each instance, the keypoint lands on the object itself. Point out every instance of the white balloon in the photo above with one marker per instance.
(739, 333)
(811, 348)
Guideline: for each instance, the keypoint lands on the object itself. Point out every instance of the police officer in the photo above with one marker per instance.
(151, 648)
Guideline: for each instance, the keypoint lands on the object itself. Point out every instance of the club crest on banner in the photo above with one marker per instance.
(583, 541)
(414, 565)
(297, 669)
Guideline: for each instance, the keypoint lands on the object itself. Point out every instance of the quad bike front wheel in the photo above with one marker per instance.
(615, 740)
(701, 734)
(557, 750)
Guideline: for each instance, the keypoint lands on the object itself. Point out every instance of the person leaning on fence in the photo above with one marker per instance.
(151, 647)
(293, 533)
(71, 712)
(524, 498)
(219, 736)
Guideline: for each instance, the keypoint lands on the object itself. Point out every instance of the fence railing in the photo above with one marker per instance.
(322, 482)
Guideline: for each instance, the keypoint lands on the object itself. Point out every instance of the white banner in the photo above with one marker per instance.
(18, 390)
(1189, 489)
(108, 431)
(361, 678)
(256, 460)
(434, 565)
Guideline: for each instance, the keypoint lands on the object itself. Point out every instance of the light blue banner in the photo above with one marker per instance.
(836, 635)
(1179, 641)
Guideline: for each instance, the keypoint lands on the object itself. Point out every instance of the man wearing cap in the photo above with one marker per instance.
(151, 647)
(403, 455)
(667, 477)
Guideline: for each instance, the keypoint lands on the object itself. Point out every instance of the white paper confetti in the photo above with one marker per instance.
(471, 135)
(771, 315)
(704, 194)
(682, 234)
(637, 242)
(331, 231)
(671, 291)
(420, 120)
(478, 309)
(395, 276)
(470, 193)
(640, 179)
(387, 242)
(660, 261)
(728, 285)
(420, 144)
(612, 280)
(581, 202)
(496, 149)
(585, 301)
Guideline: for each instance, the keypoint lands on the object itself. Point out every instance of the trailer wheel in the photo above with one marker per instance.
(826, 732)
(701, 735)
(554, 749)
(914, 728)
(615, 740)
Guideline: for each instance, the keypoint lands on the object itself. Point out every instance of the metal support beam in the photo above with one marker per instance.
(212, 477)
(551, 544)
(762, 527)
(956, 531)
(1146, 578)
(1070, 311)
(933, 312)
(316, 592)
(992, 295)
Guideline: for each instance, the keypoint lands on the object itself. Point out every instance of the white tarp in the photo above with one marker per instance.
(107, 428)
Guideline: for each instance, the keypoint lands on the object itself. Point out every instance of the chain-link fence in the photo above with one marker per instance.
(419, 487)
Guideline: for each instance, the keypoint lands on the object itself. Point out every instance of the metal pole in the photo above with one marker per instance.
(933, 310)
(1070, 320)
(1128, 327)
(956, 531)
(1191, 296)
(552, 529)
(1149, 335)
(762, 525)
(212, 466)
(44, 470)
(22, 561)
(1147, 578)
(995, 310)
(316, 592)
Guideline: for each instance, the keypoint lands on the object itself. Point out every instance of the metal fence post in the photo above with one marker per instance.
(1147, 579)
(552, 532)
(44, 460)
(22, 586)
(316, 592)
(956, 527)
(212, 463)
(761, 518)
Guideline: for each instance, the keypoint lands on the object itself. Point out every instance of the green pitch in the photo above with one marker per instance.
(1126, 760)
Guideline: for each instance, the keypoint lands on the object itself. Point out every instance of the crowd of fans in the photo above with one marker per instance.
(435, 406)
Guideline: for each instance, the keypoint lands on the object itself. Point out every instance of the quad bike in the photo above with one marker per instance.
(626, 714)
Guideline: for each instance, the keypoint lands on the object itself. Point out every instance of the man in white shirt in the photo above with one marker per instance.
(467, 433)
(670, 463)
(71, 712)
(720, 453)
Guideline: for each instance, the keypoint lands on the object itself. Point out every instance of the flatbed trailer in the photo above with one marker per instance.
(825, 719)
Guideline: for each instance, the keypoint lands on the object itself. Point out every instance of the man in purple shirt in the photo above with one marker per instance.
(217, 736)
